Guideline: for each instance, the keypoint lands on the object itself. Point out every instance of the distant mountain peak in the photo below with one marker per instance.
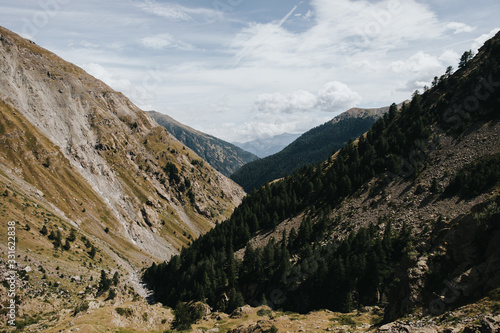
(263, 147)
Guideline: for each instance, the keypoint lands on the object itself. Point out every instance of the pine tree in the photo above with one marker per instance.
(72, 236)
(92, 252)
(104, 283)
(465, 58)
(348, 304)
(249, 258)
(392, 111)
(235, 300)
(44, 231)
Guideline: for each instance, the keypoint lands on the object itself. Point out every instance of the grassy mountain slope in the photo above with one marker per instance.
(223, 156)
(92, 183)
(405, 218)
(311, 147)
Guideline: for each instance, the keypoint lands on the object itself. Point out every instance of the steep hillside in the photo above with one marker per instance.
(310, 148)
(91, 183)
(405, 218)
(223, 156)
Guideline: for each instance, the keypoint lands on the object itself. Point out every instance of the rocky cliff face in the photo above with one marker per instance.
(223, 156)
(147, 188)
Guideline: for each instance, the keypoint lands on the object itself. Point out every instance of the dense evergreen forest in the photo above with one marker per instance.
(312, 147)
(306, 270)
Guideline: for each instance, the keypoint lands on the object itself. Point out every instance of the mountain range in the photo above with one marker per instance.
(264, 147)
(223, 156)
(92, 182)
(311, 147)
(404, 218)
(121, 226)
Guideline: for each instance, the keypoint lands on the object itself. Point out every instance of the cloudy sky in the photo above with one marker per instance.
(246, 69)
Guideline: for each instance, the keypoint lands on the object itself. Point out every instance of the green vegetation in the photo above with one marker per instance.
(81, 308)
(312, 147)
(186, 314)
(92, 251)
(347, 320)
(356, 271)
(476, 178)
(104, 283)
(465, 58)
(494, 294)
(172, 172)
(126, 312)
(264, 312)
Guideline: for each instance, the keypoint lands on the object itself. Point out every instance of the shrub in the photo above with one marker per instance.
(111, 294)
(81, 307)
(186, 315)
(126, 312)
(476, 178)
(263, 312)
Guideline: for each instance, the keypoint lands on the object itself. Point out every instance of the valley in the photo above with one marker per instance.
(121, 226)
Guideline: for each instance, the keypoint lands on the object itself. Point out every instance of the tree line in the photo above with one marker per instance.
(343, 274)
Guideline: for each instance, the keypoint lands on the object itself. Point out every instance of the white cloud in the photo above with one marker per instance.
(309, 14)
(383, 24)
(420, 69)
(101, 73)
(298, 101)
(177, 13)
(280, 60)
(165, 11)
(459, 27)
(341, 28)
(162, 41)
(332, 97)
(420, 64)
(449, 58)
(336, 96)
(89, 45)
(478, 42)
(266, 127)
(294, 112)
(143, 95)
(157, 42)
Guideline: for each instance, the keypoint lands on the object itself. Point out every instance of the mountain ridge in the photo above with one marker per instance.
(223, 156)
(268, 146)
(91, 181)
(398, 230)
(311, 147)
(406, 218)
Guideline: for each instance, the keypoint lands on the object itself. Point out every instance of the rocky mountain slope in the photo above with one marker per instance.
(396, 232)
(405, 218)
(311, 147)
(91, 181)
(223, 156)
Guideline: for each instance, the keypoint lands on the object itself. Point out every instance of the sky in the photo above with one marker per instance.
(247, 69)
